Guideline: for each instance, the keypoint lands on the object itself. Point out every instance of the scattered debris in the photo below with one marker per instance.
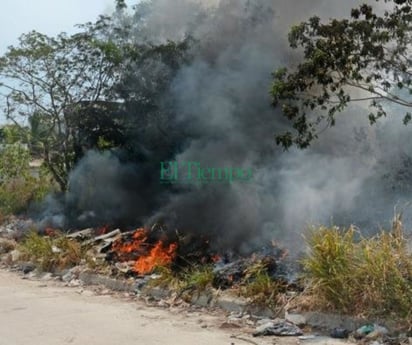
(15, 227)
(82, 234)
(371, 332)
(339, 333)
(378, 332)
(364, 330)
(133, 256)
(27, 267)
(107, 238)
(278, 327)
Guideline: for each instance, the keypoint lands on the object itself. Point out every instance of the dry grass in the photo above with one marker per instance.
(260, 288)
(357, 275)
(257, 285)
(50, 253)
(6, 245)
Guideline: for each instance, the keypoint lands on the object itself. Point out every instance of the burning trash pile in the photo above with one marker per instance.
(147, 251)
(145, 256)
(142, 251)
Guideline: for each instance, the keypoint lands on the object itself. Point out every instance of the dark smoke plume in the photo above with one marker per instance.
(354, 173)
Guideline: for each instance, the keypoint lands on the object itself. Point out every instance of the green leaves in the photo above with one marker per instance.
(367, 52)
(51, 76)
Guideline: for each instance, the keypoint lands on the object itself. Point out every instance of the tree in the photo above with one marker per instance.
(12, 134)
(96, 89)
(364, 58)
(47, 80)
(152, 131)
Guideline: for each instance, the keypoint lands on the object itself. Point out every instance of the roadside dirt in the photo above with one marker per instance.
(47, 313)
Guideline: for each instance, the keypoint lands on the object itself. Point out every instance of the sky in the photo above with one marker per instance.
(47, 16)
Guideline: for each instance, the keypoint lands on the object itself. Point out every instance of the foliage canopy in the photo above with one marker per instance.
(366, 57)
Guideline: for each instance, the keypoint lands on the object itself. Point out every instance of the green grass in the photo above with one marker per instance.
(167, 278)
(193, 279)
(198, 277)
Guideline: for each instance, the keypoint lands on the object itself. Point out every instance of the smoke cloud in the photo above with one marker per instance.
(354, 173)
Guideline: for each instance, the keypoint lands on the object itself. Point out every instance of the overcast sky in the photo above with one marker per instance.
(47, 16)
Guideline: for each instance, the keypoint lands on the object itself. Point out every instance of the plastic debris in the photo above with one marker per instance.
(378, 332)
(279, 328)
(364, 330)
(371, 331)
(339, 333)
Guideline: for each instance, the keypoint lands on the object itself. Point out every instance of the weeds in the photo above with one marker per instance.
(198, 278)
(166, 279)
(194, 279)
(6, 245)
(257, 285)
(363, 276)
(260, 288)
(329, 265)
(50, 253)
(19, 184)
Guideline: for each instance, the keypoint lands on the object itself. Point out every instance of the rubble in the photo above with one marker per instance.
(14, 227)
(107, 239)
(27, 267)
(82, 234)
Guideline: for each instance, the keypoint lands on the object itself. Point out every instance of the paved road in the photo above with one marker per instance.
(43, 313)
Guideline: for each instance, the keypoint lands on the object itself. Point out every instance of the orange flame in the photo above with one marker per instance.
(158, 255)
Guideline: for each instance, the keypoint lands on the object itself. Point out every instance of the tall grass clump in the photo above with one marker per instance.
(357, 275)
(51, 253)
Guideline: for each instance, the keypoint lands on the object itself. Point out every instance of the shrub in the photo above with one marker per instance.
(19, 186)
